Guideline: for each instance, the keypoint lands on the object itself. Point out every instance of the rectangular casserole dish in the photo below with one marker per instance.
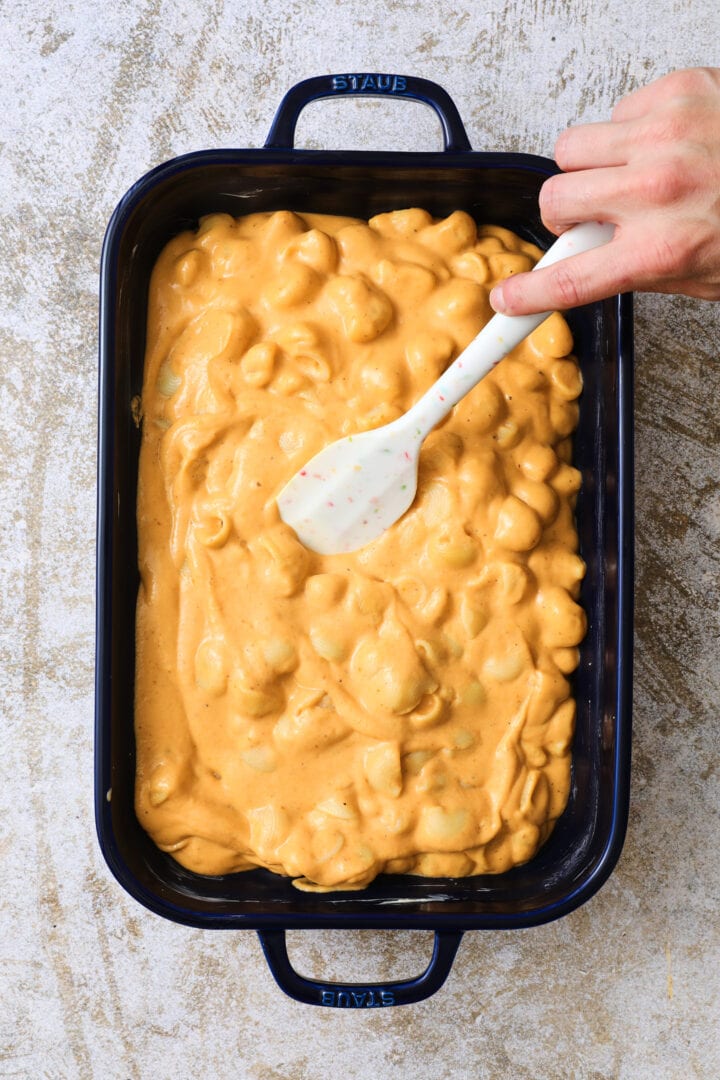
(585, 845)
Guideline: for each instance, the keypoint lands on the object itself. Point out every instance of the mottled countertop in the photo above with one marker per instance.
(92, 985)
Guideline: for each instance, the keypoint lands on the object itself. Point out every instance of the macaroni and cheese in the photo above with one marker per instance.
(405, 708)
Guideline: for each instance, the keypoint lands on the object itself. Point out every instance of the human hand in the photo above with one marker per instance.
(653, 170)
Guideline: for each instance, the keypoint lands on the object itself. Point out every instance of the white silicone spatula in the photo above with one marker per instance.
(354, 489)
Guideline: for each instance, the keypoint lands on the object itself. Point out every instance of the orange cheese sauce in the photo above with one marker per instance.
(405, 708)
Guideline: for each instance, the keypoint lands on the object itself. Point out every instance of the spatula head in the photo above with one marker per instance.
(352, 491)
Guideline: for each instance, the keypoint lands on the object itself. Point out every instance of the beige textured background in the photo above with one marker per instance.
(92, 985)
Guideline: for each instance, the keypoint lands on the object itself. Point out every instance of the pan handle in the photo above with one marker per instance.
(359, 995)
(366, 84)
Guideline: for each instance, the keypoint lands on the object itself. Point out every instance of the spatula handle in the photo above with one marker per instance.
(500, 336)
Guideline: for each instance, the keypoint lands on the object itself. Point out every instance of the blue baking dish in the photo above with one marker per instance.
(494, 187)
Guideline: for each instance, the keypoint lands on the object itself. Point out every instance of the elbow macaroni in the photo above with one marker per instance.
(405, 708)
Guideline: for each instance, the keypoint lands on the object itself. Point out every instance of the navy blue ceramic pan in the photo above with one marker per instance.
(494, 188)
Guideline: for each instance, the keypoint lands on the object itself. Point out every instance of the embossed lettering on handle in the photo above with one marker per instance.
(365, 83)
(356, 998)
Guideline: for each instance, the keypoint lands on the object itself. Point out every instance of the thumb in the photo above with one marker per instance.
(580, 279)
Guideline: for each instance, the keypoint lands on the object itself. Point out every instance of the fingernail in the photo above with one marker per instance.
(497, 299)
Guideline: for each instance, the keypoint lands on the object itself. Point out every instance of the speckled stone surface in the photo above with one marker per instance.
(92, 985)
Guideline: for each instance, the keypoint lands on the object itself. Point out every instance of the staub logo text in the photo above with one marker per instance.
(357, 999)
(386, 84)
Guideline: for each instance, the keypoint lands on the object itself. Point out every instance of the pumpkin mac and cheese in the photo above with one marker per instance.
(404, 708)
